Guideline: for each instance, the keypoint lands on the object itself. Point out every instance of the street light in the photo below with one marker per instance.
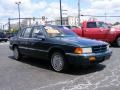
(60, 13)
(78, 12)
(18, 3)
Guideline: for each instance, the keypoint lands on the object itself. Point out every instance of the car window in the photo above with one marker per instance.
(52, 32)
(91, 25)
(26, 33)
(69, 27)
(2, 35)
(21, 33)
(36, 31)
(55, 31)
(102, 25)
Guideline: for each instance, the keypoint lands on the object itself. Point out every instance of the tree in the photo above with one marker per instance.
(116, 23)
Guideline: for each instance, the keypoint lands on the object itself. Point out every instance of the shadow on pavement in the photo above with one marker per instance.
(82, 71)
(45, 64)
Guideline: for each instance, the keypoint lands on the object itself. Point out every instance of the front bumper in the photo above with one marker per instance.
(84, 59)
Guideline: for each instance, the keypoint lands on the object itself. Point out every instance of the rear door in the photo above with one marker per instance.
(92, 31)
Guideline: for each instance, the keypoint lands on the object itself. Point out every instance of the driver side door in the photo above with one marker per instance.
(93, 32)
(38, 42)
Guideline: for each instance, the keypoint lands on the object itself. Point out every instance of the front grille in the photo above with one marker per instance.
(100, 48)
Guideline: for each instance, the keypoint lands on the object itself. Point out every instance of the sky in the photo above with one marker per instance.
(50, 9)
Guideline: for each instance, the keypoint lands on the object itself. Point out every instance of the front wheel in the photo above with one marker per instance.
(58, 62)
(16, 53)
(118, 41)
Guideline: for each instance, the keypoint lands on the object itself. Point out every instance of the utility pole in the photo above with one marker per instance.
(18, 3)
(61, 13)
(9, 24)
(3, 27)
(78, 12)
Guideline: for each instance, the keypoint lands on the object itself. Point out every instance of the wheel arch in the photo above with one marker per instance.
(56, 49)
(115, 41)
(117, 37)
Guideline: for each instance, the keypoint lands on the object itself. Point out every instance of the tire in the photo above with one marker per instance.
(118, 41)
(16, 53)
(58, 62)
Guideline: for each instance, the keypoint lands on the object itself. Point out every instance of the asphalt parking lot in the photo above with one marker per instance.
(34, 74)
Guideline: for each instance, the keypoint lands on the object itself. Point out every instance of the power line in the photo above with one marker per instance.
(99, 16)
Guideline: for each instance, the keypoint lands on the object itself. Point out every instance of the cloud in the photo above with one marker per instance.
(100, 7)
(8, 8)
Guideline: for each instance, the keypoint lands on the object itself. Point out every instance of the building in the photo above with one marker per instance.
(73, 21)
(70, 20)
(33, 21)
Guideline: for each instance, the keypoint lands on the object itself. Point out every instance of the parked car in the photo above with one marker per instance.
(3, 37)
(11, 35)
(61, 47)
(98, 30)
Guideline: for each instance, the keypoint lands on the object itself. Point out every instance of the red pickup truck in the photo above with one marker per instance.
(98, 30)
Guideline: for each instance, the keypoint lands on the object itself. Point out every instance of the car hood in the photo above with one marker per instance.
(82, 42)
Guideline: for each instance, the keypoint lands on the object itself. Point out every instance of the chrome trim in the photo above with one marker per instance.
(73, 54)
(33, 49)
(89, 54)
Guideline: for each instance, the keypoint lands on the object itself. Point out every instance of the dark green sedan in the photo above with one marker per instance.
(59, 45)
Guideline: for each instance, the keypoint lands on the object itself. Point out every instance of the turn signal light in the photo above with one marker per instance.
(78, 51)
(92, 58)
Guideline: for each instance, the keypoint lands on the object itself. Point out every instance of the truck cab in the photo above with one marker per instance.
(98, 30)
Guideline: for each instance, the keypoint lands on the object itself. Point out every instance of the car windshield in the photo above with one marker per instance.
(55, 31)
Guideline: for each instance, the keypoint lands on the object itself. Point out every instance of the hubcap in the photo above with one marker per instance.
(15, 53)
(57, 62)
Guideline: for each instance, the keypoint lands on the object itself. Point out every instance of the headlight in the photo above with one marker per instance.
(83, 50)
(87, 50)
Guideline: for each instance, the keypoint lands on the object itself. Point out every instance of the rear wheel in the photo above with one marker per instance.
(58, 62)
(16, 53)
(118, 41)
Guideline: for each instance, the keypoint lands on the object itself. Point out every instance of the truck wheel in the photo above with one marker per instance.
(58, 62)
(16, 53)
(118, 41)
